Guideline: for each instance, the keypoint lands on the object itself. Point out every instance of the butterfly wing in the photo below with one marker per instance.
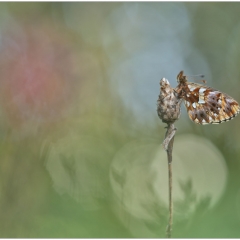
(206, 105)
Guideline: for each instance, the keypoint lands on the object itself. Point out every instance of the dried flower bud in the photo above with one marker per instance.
(168, 108)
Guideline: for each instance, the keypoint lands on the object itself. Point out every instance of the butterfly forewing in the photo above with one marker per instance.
(206, 105)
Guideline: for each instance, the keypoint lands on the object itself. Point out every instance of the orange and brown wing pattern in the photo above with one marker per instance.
(206, 105)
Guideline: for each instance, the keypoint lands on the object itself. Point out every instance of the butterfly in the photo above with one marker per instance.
(204, 104)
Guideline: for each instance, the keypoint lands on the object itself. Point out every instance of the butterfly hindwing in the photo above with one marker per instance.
(206, 105)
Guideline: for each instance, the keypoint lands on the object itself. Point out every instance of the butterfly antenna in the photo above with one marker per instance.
(198, 76)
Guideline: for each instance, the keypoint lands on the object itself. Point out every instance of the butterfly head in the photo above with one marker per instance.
(181, 78)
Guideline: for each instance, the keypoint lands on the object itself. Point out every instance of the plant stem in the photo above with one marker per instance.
(169, 102)
(168, 145)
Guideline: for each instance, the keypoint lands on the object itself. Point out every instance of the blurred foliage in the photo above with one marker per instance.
(80, 140)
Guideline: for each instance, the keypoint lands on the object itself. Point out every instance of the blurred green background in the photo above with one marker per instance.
(80, 139)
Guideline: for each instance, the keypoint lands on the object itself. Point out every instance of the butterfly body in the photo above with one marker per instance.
(204, 104)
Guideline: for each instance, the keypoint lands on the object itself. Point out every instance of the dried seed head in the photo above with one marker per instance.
(168, 104)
